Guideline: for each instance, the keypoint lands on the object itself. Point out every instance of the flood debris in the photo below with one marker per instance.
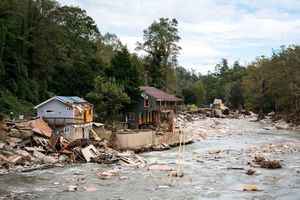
(44, 158)
(176, 173)
(282, 125)
(107, 174)
(250, 188)
(89, 152)
(32, 145)
(250, 172)
(160, 167)
(129, 158)
(236, 168)
(90, 188)
(105, 158)
(265, 163)
(72, 188)
(123, 177)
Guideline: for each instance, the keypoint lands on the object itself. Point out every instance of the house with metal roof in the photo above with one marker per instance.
(71, 116)
(154, 104)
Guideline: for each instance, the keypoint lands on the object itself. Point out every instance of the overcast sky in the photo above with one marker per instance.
(210, 29)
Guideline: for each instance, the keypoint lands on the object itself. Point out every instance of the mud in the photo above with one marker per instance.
(215, 167)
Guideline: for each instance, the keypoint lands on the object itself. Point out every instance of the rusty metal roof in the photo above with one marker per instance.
(158, 94)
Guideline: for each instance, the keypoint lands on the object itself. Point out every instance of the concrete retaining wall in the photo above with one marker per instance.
(134, 140)
(146, 139)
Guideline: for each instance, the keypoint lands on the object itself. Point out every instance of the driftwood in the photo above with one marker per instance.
(236, 168)
(40, 167)
(132, 160)
(268, 164)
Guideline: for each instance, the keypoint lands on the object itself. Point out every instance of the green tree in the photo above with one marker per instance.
(199, 91)
(126, 74)
(160, 43)
(108, 98)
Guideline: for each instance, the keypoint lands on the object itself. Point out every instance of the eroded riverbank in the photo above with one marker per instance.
(221, 144)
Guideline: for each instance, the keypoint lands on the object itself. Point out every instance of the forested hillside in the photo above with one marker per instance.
(47, 49)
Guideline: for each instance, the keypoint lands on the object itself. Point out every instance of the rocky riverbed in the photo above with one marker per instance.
(220, 164)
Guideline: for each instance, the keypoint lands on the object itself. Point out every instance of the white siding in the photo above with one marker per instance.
(55, 110)
(73, 132)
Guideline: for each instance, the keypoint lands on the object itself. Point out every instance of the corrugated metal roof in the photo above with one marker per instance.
(71, 99)
(65, 99)
(159, 94)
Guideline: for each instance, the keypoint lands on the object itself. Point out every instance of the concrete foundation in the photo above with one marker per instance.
(148, 139)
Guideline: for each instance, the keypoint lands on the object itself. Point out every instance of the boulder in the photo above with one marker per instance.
(218, 113)
(282, 125)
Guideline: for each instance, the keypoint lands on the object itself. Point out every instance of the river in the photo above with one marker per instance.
(230, 143)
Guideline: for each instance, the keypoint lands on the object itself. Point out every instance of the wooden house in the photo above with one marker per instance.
(68, 115)
(152, 105)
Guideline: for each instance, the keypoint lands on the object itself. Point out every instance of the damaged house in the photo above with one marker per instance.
(69, 116)
(154, 106)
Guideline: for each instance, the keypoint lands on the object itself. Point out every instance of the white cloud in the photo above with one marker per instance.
(197, 48)
(130, 41)
(210, 29)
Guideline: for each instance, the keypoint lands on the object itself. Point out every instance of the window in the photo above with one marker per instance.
(49, 111)
(131, 116)
(146, 103)
(66, 130)
(69, 108)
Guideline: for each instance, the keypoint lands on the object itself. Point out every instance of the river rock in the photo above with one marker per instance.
(282, 125)
(218, 113)
(72, 188)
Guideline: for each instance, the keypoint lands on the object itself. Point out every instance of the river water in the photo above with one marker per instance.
(207, 173)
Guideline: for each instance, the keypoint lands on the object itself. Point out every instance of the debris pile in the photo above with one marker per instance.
(31, 145)
(265, 163)
(282, 125)
(278, 148)
(217, 110)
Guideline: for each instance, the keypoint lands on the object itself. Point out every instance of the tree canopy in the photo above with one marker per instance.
(47, 49)
(160, 44)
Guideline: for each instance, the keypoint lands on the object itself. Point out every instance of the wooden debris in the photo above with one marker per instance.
(44, 158)
(89, 152)
(236, 168)
(160, 167)
(250, 188)
(250, 172)
(268, 164)
(107, 174)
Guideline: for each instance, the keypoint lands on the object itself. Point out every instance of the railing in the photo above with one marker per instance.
(167, 107)
(64, 120)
